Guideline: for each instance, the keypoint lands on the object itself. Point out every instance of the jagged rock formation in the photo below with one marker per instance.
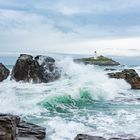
(50, 71)
(38, 69)
(4, 72)
(12, 128)
(130, 75)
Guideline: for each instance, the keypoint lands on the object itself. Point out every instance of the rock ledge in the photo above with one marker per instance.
(13, 128)
(88, 137)
(130, 75)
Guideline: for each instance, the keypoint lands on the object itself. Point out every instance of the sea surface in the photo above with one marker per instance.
(83, 100)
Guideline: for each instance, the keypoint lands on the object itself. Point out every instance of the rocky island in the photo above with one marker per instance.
(100, 60)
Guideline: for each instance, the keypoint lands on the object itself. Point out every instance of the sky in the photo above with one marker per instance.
(111, 27)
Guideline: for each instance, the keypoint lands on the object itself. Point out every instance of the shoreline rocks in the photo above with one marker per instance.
(88, 137)
(26, 129)
(129, 75)
(4, 72)
(13, 128)
(101, 61)
(39, 69)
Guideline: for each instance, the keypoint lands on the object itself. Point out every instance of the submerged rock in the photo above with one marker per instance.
(130, 75)
(101, 61)
(4, 72)
(110, 69)
(12, 128)
(38, 69)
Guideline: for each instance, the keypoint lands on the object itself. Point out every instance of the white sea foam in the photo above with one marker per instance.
(24, 97)
(104, 116)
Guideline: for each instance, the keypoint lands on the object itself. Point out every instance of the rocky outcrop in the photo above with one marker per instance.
(4, 72)
(50, 71)
(130, 75)
(101, 61)
(38, 69)
(30, 130)
(8, 126)
(88, 137)
(12, 128)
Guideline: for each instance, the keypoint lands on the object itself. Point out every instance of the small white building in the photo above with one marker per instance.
(95, 55)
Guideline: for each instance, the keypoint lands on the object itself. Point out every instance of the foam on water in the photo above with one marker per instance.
(83, 100)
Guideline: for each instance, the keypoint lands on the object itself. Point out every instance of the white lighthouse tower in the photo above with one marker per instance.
(95, 55)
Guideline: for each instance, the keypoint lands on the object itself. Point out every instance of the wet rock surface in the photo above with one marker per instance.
(110, 69)
(4, 72)
(50, 71)
(8, 129)
(130, 75)
(30, 130)
(12, 128)
(38, 69)
(88, 137)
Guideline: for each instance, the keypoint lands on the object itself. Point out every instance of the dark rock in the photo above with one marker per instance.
(38, 69)
(50, 71)
(31, 130)
(88, 137)
(101, 61)
(11, 128)
(130, 75)
(26, 138)
(44, 59)
(8, 127)
(110, 69)
(4, 72)
(26, 69)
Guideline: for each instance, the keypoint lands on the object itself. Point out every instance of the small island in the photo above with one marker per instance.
(100, 60)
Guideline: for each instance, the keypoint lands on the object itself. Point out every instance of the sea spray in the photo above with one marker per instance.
(83, 100)
(78, 83)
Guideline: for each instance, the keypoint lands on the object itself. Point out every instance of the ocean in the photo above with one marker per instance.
(83, 100)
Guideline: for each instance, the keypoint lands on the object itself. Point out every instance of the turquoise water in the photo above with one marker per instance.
(83, 100)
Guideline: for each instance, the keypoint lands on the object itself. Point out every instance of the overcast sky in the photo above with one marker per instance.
(70, 26)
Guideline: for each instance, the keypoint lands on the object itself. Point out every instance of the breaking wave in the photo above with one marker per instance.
(83, 100)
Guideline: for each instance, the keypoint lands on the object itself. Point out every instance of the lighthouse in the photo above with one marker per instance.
(95, 55)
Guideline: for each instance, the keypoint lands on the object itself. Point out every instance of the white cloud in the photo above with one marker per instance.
(28, 32)
(95, 6)
(118, 47)
(33, 26)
